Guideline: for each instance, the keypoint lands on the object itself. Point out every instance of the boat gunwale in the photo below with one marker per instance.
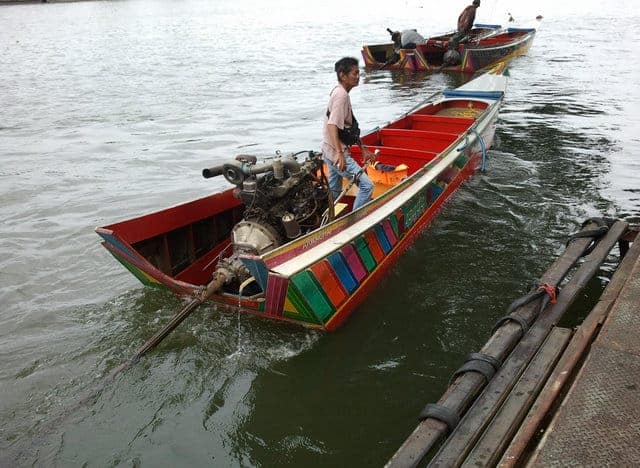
(404, 191)
(518, 41)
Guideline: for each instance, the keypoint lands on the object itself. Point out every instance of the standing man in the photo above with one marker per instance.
(466, 19)
(340, 131)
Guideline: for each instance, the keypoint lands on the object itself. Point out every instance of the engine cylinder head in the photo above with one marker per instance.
(249, 186)
(278, 169)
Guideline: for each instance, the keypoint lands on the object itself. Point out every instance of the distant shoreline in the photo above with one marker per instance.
(18, 2)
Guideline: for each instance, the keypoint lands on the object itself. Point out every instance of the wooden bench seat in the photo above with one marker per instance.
(416, 139)
(393, 156)
(442, 124)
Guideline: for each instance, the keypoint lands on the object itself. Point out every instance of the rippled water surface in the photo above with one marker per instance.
(111, 110)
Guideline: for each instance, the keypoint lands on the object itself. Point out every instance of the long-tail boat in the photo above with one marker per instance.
(484, 47)
(278, 246)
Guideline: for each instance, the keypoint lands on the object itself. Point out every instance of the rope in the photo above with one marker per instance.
(549, 292)
(603, 227)
(546, 291)
(484, 150)
(441, 413)
(483, 147)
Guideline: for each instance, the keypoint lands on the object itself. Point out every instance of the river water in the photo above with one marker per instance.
(111, 109)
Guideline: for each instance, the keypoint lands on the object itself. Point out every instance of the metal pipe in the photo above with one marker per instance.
(212, 171)
(291, 164)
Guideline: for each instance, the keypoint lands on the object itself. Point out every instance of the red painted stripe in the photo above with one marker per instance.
(353, 260)
(374, 245)
(388, 230)
(330, 282)
(276, 294)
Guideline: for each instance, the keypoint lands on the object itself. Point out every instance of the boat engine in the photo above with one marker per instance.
(283, 200)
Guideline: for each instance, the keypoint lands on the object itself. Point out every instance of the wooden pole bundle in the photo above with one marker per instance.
(462, 440)
(574, 353)
(466, 387)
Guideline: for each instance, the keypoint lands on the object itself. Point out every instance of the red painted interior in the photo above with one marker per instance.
(147, 226)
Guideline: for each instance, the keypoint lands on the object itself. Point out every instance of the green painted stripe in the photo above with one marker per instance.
(301, 317)
(414, 209)
(299, 303)
(461, 160)
(311, 290)
(135, 271)
(393, 219)
(362, 248)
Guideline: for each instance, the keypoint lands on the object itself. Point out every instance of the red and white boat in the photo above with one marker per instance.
(276, 246)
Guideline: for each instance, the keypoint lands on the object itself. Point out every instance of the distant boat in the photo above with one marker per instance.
(487, 45)
(276, 246)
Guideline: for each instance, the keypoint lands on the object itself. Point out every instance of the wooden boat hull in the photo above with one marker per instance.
(499, 46)
(319, 278)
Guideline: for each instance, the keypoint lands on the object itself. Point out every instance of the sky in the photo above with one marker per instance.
(433, 15)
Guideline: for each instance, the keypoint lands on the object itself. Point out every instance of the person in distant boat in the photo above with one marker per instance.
(466, 19)
(340, 131)
(407, 39)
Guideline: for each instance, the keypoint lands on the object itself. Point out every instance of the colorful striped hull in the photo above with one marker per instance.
(474, 57)
(326, 292)
(319, 278)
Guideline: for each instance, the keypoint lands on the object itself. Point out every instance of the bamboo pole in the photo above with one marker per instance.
(500, 430)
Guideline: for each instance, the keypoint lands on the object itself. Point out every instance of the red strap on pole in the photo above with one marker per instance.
(550, 290)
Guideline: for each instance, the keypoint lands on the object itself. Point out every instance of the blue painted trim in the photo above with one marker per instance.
(449, 93)
(343, 271)
(382, 238)
(510, 30)
(482, 25)
(258, 270)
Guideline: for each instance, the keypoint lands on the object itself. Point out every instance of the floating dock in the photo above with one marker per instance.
(542, 395)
